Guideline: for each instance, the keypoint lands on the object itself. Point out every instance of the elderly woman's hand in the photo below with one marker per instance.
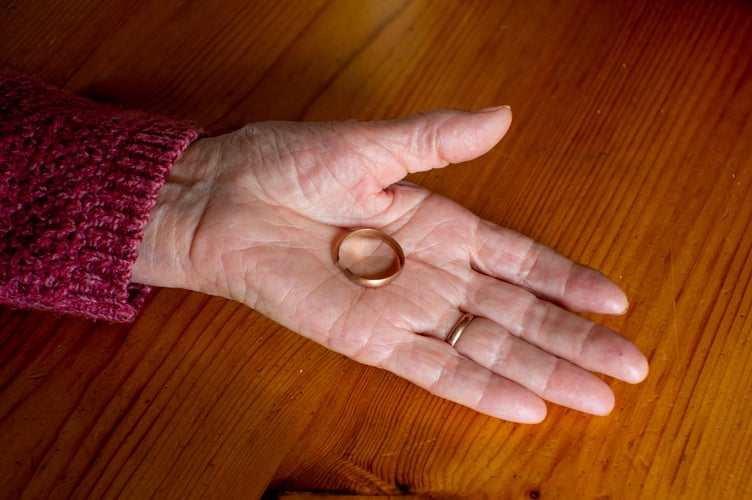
(254, 216)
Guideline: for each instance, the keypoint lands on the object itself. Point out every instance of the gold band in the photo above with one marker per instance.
(454, 334)
(373, 281)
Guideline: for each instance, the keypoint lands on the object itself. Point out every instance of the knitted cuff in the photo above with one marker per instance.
(77, 183)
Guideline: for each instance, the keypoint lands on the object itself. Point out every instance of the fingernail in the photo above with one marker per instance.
(492, 109)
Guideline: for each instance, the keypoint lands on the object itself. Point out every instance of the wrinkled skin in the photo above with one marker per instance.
(253, 216)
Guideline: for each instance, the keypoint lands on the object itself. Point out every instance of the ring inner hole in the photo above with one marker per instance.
(368, 256)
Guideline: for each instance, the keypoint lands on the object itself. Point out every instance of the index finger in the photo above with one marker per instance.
(508, 255)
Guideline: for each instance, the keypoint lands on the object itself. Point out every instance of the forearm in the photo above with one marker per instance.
(77, 183)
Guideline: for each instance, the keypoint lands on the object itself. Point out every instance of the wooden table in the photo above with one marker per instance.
(631, 151)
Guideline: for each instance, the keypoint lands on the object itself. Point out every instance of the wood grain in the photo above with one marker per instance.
(630, 151)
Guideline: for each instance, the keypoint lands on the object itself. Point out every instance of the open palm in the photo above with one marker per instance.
(254, 216)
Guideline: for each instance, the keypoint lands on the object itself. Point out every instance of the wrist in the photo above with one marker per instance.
(164, 252)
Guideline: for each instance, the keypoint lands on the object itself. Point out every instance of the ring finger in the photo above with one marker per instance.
(554, 379)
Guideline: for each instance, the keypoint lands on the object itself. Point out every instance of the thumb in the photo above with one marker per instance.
(436, 138)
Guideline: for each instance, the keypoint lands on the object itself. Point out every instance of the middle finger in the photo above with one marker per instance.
(553, 329)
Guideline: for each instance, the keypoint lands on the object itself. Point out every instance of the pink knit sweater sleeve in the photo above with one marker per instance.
(77, 182)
